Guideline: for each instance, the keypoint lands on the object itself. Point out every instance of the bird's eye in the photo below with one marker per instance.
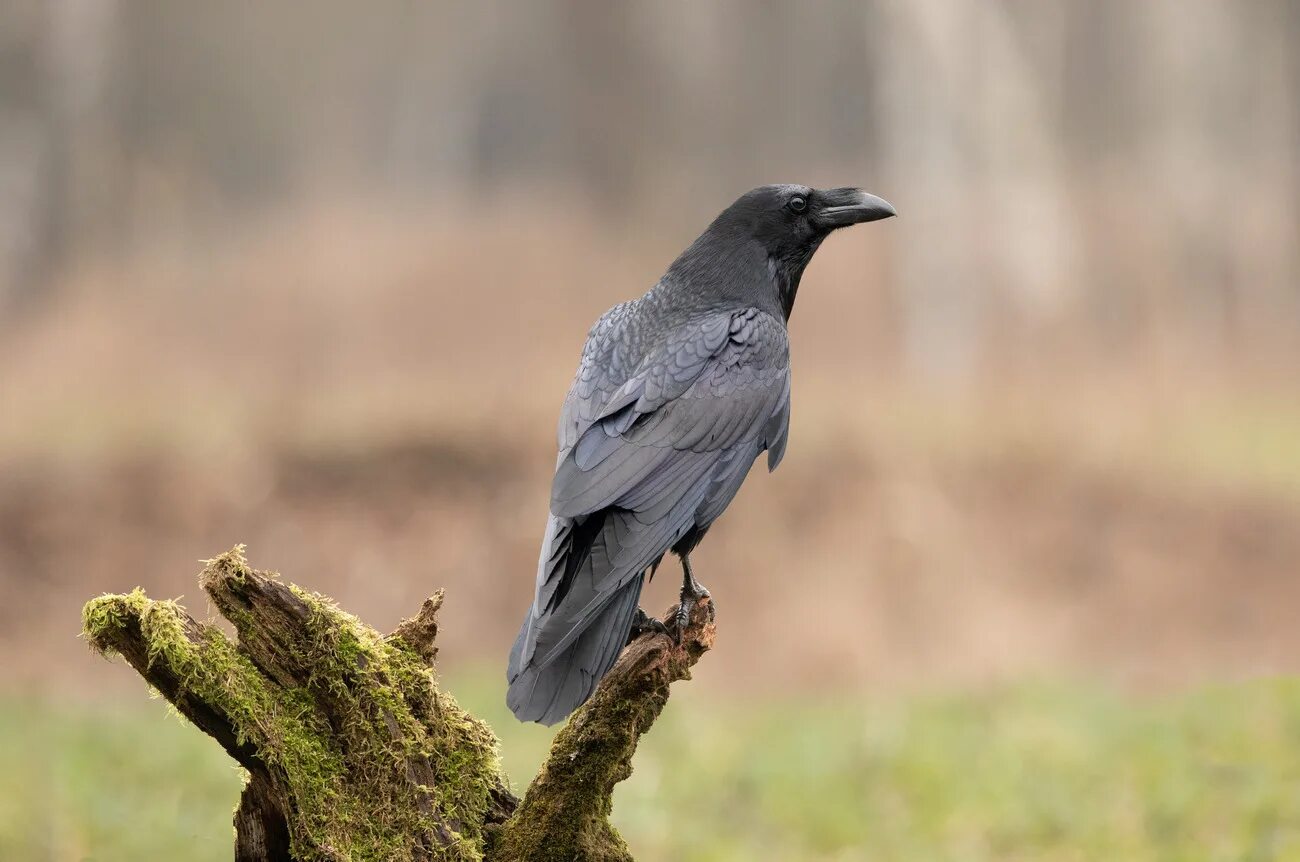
(798, 204)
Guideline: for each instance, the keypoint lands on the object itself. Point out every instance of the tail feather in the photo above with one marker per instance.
(589, 582)
(548, 692)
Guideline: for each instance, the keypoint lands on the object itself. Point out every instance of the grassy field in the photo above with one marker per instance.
(1032, 772)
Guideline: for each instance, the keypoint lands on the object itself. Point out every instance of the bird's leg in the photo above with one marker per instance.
(642, 623)
(692, 591)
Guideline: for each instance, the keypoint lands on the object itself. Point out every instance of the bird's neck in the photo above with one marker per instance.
(786, 273)
(786, 281)
(724, 272)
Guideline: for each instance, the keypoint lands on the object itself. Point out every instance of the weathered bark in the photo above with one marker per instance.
(261, 829)
(351, 749)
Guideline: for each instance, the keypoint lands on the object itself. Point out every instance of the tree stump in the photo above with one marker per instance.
(353, 752)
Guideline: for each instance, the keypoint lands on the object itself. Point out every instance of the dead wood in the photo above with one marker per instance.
(351, 749)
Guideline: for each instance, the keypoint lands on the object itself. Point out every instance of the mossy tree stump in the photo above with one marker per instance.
(352, 751)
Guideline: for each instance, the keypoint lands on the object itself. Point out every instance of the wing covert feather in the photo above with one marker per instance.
(711, 384)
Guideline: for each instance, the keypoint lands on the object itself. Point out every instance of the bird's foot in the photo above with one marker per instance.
(691, 593)
(642, 623)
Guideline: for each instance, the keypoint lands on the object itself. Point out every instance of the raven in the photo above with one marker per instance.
(677, 393)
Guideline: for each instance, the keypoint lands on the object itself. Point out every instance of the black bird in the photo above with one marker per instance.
(677, 393)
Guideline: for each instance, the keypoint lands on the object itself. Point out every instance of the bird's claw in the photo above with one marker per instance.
(682, 618)
(643, 622)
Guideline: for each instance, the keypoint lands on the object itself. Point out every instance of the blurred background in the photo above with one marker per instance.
(1026, 585)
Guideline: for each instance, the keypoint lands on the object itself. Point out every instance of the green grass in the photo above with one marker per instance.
(1030, 772)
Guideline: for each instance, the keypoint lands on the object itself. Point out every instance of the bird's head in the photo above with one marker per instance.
(790, 219)
(785, 225)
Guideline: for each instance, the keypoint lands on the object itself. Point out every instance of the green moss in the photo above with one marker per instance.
(382, 682)
(282, 723)
(350, 777)
(103, 617)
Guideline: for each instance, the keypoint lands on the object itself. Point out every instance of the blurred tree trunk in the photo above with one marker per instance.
(64, 76)
(926, 137)
(351, 749)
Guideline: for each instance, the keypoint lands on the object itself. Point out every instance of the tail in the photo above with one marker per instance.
(547, 693)
(580, 618)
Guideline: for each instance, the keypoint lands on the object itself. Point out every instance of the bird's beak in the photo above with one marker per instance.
(853, 206)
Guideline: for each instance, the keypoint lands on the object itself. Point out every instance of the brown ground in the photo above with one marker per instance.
(960, 569)
(375, 420)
